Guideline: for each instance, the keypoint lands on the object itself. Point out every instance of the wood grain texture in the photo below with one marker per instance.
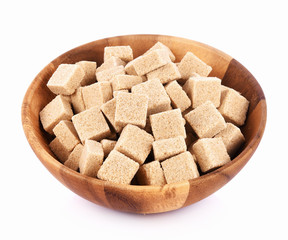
(146, 199)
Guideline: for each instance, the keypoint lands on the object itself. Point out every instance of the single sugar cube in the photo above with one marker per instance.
(97, 94)
(110, 63)
(206, 120)
(59, 150)
(131, 108)
(135, 143)
(74, 157)
(160, 45)
(66, 79)
(233, 107)
(125, 53)
(167, 73)
(91, 158)
(202, 89)
(108, 74)
(151, 174)
(55, 111)
(89, 68)
(159, 101)
(129, 68)
(77, 101)
(115, 93)
(232, 138)
(125, 82)
(66, 134)
(166, 148)
(91, 124)
(151, 61)
(118, 168)
(108, 145)
(210, 153)
(167, 124)
(109, 109)
(180, 168)
(191, 64)
(179, 98)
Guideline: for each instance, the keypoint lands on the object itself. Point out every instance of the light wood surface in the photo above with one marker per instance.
(146, 199)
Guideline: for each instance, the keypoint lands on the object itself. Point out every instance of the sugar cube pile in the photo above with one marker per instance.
(151, 119)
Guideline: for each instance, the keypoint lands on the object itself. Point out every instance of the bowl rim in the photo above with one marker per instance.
(46, 158)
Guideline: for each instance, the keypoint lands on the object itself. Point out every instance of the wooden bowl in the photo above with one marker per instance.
(146, 199)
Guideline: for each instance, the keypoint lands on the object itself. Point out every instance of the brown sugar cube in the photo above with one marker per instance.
(191, 64)
(202, 89)
(115, 93)
(74, 157)
(77, 101)
(125, 82)
(91, 124)
(166, 148)
(179, 98)
(59, 150)
(135, 143)
(66, 134)
(180, 168)
(159, 101)
(66, 79)
(232, 138)
(109, 109)
(233, 107)
(110, 63)
(55, 111)
(125, 53)
(108, 74)
(210, 153)
(160, 45)
(151, 61)
(96, 94)
(131, 108)
(167, 73)
(108, 145)
(91, 158)
(151, 174)
(118, 168)
(206, 120)
(129, 68)
(167, 124)
(89, 68)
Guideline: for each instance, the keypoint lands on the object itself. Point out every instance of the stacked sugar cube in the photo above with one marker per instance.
(145, 118)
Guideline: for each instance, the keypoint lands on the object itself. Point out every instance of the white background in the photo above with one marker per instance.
(34, 205)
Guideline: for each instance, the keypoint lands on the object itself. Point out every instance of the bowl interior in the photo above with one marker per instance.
(146, 199)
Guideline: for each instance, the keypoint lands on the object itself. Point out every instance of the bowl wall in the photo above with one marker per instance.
(146, 199)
